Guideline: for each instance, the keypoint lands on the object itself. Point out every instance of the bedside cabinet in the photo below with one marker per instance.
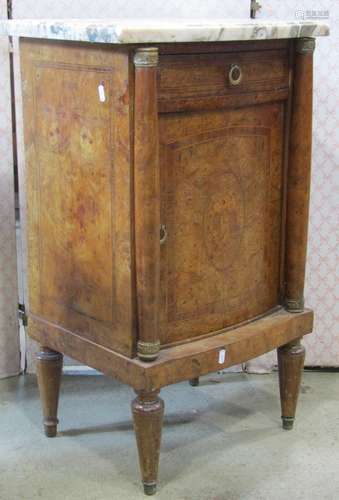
(168, 186)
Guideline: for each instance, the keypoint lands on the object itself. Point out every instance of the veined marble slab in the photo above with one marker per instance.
(160, 31)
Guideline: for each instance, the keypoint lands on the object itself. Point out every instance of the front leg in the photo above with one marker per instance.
(290, 363)
(148, 411)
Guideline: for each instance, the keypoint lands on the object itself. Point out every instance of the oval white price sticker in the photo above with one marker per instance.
(222, 356)
(101, 92)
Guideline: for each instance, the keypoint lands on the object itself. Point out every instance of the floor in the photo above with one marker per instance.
(221, 441)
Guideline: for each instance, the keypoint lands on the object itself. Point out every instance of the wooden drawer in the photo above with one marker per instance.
(188, 77)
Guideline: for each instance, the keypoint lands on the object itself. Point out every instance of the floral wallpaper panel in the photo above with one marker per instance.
(9, 327)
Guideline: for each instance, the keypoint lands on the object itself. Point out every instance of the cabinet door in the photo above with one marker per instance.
(221, 195)
(78, 190)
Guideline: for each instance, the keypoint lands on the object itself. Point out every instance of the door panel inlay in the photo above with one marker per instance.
(220, 263)
(224, 220)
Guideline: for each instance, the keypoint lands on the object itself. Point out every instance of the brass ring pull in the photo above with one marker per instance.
(163, 234)
(235, 74)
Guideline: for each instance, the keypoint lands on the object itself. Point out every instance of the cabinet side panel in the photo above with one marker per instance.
(76, 119)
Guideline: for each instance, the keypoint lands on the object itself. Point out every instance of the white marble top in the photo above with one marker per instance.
(158, 31)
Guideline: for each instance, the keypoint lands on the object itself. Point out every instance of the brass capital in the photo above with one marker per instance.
(293, 348)
(148, 351)
(146, 57)
(294, 306)
(305, 45)
(49, 355)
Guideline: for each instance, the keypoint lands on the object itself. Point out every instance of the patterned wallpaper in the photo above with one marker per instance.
(130, 8)
(9, 337)
(322, 273)
(322, 287)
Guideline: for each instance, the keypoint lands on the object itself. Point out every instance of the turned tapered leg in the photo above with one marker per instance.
(148, 411)
(290, 362)
(49, 369)
(194, 382)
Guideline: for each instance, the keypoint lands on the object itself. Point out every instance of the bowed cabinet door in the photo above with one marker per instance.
(221, 192)
(76, 111)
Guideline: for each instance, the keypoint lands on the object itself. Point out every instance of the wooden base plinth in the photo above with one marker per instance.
(180, 362)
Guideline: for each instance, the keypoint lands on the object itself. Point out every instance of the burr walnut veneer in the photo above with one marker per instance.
(168, 189)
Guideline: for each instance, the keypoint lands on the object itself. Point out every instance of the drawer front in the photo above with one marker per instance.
(220, 74)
